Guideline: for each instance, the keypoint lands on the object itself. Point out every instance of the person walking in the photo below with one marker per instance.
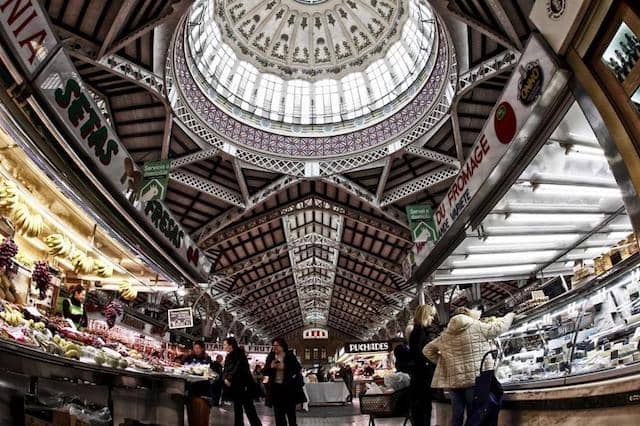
(421, 369)
(238, 383)
(216, 387)
(458, 352)
(198, 407)
(283, 375)
(347, 375)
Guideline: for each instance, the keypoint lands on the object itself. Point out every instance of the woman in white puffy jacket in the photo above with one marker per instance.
(458, 352)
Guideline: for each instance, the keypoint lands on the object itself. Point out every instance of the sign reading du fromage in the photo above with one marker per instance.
(363, 347)
(532, 76)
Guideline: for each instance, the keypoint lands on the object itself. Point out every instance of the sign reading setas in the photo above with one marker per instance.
(521, 95)
(362, 347)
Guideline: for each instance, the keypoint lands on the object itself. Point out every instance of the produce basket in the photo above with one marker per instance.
(386, 405)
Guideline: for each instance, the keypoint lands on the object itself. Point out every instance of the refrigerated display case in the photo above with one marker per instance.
(588, 334)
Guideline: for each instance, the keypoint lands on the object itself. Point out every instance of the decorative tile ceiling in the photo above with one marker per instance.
(310, 39)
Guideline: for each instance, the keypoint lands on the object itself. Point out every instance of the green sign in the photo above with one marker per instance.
(156, 168)
(155, 180)
(422, 224)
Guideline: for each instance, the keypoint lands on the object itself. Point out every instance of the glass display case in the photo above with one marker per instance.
(590, 333)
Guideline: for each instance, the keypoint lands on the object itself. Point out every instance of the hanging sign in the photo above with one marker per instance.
(558, 20)
(363, 347)
(315, 333)
(27, 31)
(424, 230)
(522, 93)
(180, 318)
(155, 180)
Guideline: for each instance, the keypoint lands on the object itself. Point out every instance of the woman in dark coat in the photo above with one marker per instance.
(238, 383)
(421, 368)
(285, 383)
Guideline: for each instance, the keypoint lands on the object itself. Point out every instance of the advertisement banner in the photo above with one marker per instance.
(180, 318)
(26, 29)
(63, 89)
(529, 80)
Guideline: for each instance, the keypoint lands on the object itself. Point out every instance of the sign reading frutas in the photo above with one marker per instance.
(361, 347)
(513, 110)
(28, 32)
(424, 230)
(155, 180)
(180, 318)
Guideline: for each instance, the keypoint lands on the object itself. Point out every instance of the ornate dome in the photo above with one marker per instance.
(310, 40)
(311, 78)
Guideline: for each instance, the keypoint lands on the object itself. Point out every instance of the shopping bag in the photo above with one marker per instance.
(487, 397)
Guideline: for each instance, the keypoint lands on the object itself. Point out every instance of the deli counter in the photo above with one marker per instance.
(586, 334)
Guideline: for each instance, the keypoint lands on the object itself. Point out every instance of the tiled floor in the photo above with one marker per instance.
(317, 416)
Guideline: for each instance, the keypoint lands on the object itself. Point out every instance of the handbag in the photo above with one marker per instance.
(487, 397)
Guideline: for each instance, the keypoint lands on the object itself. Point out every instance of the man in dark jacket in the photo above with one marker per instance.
(239, 386)
(216, 387)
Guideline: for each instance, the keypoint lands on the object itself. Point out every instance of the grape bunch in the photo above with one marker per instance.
(42, 277)
(8, 250)
(112, 311)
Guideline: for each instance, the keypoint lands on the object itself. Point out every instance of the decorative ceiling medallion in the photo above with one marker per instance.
(310, 40)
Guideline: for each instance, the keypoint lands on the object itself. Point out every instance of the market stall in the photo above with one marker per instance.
(369, 362)
(49, 244)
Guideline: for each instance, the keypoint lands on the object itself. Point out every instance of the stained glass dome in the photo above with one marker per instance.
(312, 78)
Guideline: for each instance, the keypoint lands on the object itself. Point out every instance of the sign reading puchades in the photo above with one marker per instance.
(364, 347)
(26, 29)
(180, 318)
(315, 333)
(513, 110)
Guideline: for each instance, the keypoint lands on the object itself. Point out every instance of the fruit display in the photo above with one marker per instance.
(8, 195)
(42, 278)
(12, 316)
(8, 291)
(127, 292)
(103, 269)
(59, 245)
(28, 223)
(112, 311)
(8, 250)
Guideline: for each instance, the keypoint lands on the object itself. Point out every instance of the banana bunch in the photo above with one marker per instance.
(103, 269)
(8, 194)
(83, 265)
(127, 292)
(80, 261)
(30, 224)
(69, 349)
(12, 317)
(59, 245)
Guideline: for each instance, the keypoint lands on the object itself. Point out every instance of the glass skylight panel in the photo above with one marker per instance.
(347, 97)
